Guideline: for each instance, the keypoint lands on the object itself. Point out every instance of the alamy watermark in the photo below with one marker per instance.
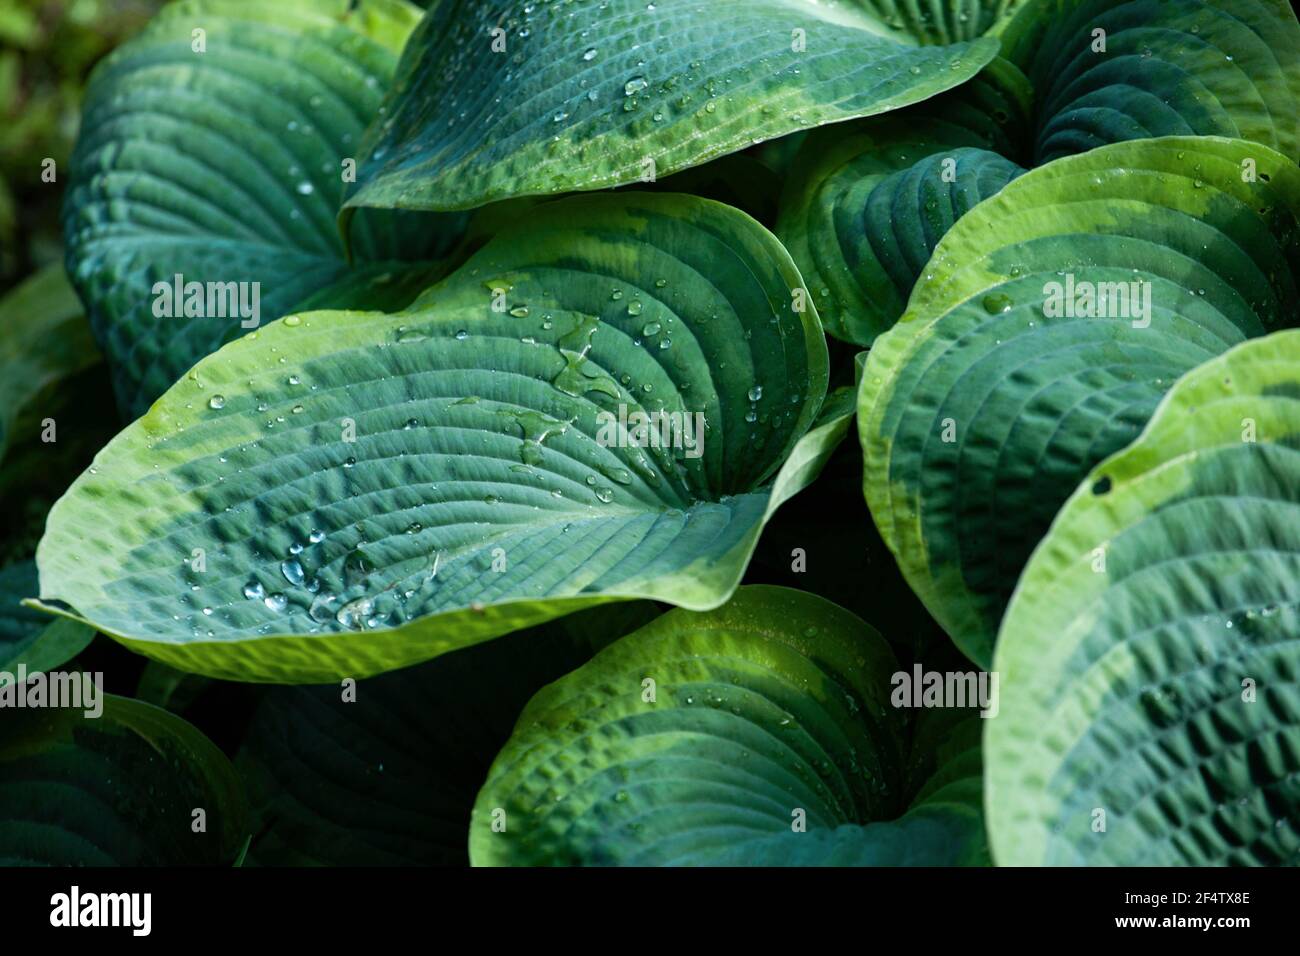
(659, 429)
(922, 688)
(77, 690)
(133, 911)
(1073, 299)
(197, 300)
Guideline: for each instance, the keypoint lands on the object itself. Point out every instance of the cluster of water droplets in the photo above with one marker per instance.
(348, 609)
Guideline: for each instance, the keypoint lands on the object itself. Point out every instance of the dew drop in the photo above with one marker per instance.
(355, 614)
(620, 475)
(996, 302)
(293, 573)
(320, 610)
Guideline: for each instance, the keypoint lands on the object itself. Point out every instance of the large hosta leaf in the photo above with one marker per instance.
(503, 98)
(707, 738)
(484, 489)
(1111, 70)
(982, 409)
(120, 789)
(866, 202)
(388, 776)
(44, 340)
(227, 165)
(1151, 704)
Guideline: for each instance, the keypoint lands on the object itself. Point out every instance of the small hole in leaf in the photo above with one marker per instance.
(1101, 486)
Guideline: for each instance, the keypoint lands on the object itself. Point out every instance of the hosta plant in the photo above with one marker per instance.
(432, 450)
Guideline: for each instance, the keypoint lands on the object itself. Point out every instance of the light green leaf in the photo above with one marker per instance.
(227, 166)
(120, 789)
(982, 409)
(45, 341)
(1111, 70)
(491, 101)
(706, 739)
(489, 486)
(29, 638)
(1147, 658)
(866, 202)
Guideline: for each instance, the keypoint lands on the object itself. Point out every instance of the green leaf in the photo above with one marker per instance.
(490, 102)
(866, 202)
(46, 341)
(388, 776)
(486, 489)
(699, 738)
(980, 412)
(1168, 67)
(227, 166)
(1147, 658)
(120, 789)
(28, 638)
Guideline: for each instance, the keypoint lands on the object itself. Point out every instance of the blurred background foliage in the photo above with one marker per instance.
(47, 50)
